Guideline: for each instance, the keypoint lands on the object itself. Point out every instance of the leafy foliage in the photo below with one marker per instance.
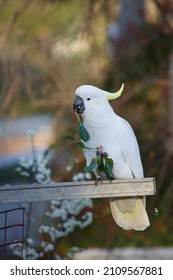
(78, 142)
(102, 164)
(83, 133)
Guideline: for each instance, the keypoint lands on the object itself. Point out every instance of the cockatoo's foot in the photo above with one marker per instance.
(97, 180)
(103, 178)
(100, 152)
(111, 180)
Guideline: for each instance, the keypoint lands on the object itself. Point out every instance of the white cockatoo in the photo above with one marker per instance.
(115, 135)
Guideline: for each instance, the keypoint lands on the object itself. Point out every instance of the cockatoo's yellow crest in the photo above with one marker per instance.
(111, 96)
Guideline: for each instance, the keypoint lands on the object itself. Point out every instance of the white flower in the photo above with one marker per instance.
(75, 206)
(47, 246)
(70, 225)
(30, 241)
(75, 178)
(58, 213)
(17, 249)
(31, 253)
(23, 163)
(87, 176)
(52, 232)
(87, 219)
(39, 177)
(80, 176)
(43, 229)
(24, 173)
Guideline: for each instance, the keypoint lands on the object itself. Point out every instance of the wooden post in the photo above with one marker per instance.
(76, 190)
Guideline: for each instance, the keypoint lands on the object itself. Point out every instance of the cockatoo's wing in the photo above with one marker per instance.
(130, 148)
(129, 213)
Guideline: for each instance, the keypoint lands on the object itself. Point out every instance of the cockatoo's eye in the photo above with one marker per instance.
(88, 98)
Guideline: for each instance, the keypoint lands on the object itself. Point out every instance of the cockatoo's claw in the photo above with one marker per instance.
(112, 178)
(97, 180)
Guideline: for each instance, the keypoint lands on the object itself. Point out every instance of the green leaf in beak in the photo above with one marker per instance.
(83, 133)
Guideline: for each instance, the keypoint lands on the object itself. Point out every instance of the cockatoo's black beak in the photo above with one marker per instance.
(78, 105)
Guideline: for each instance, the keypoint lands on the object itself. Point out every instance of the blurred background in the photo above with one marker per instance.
(50, 47)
